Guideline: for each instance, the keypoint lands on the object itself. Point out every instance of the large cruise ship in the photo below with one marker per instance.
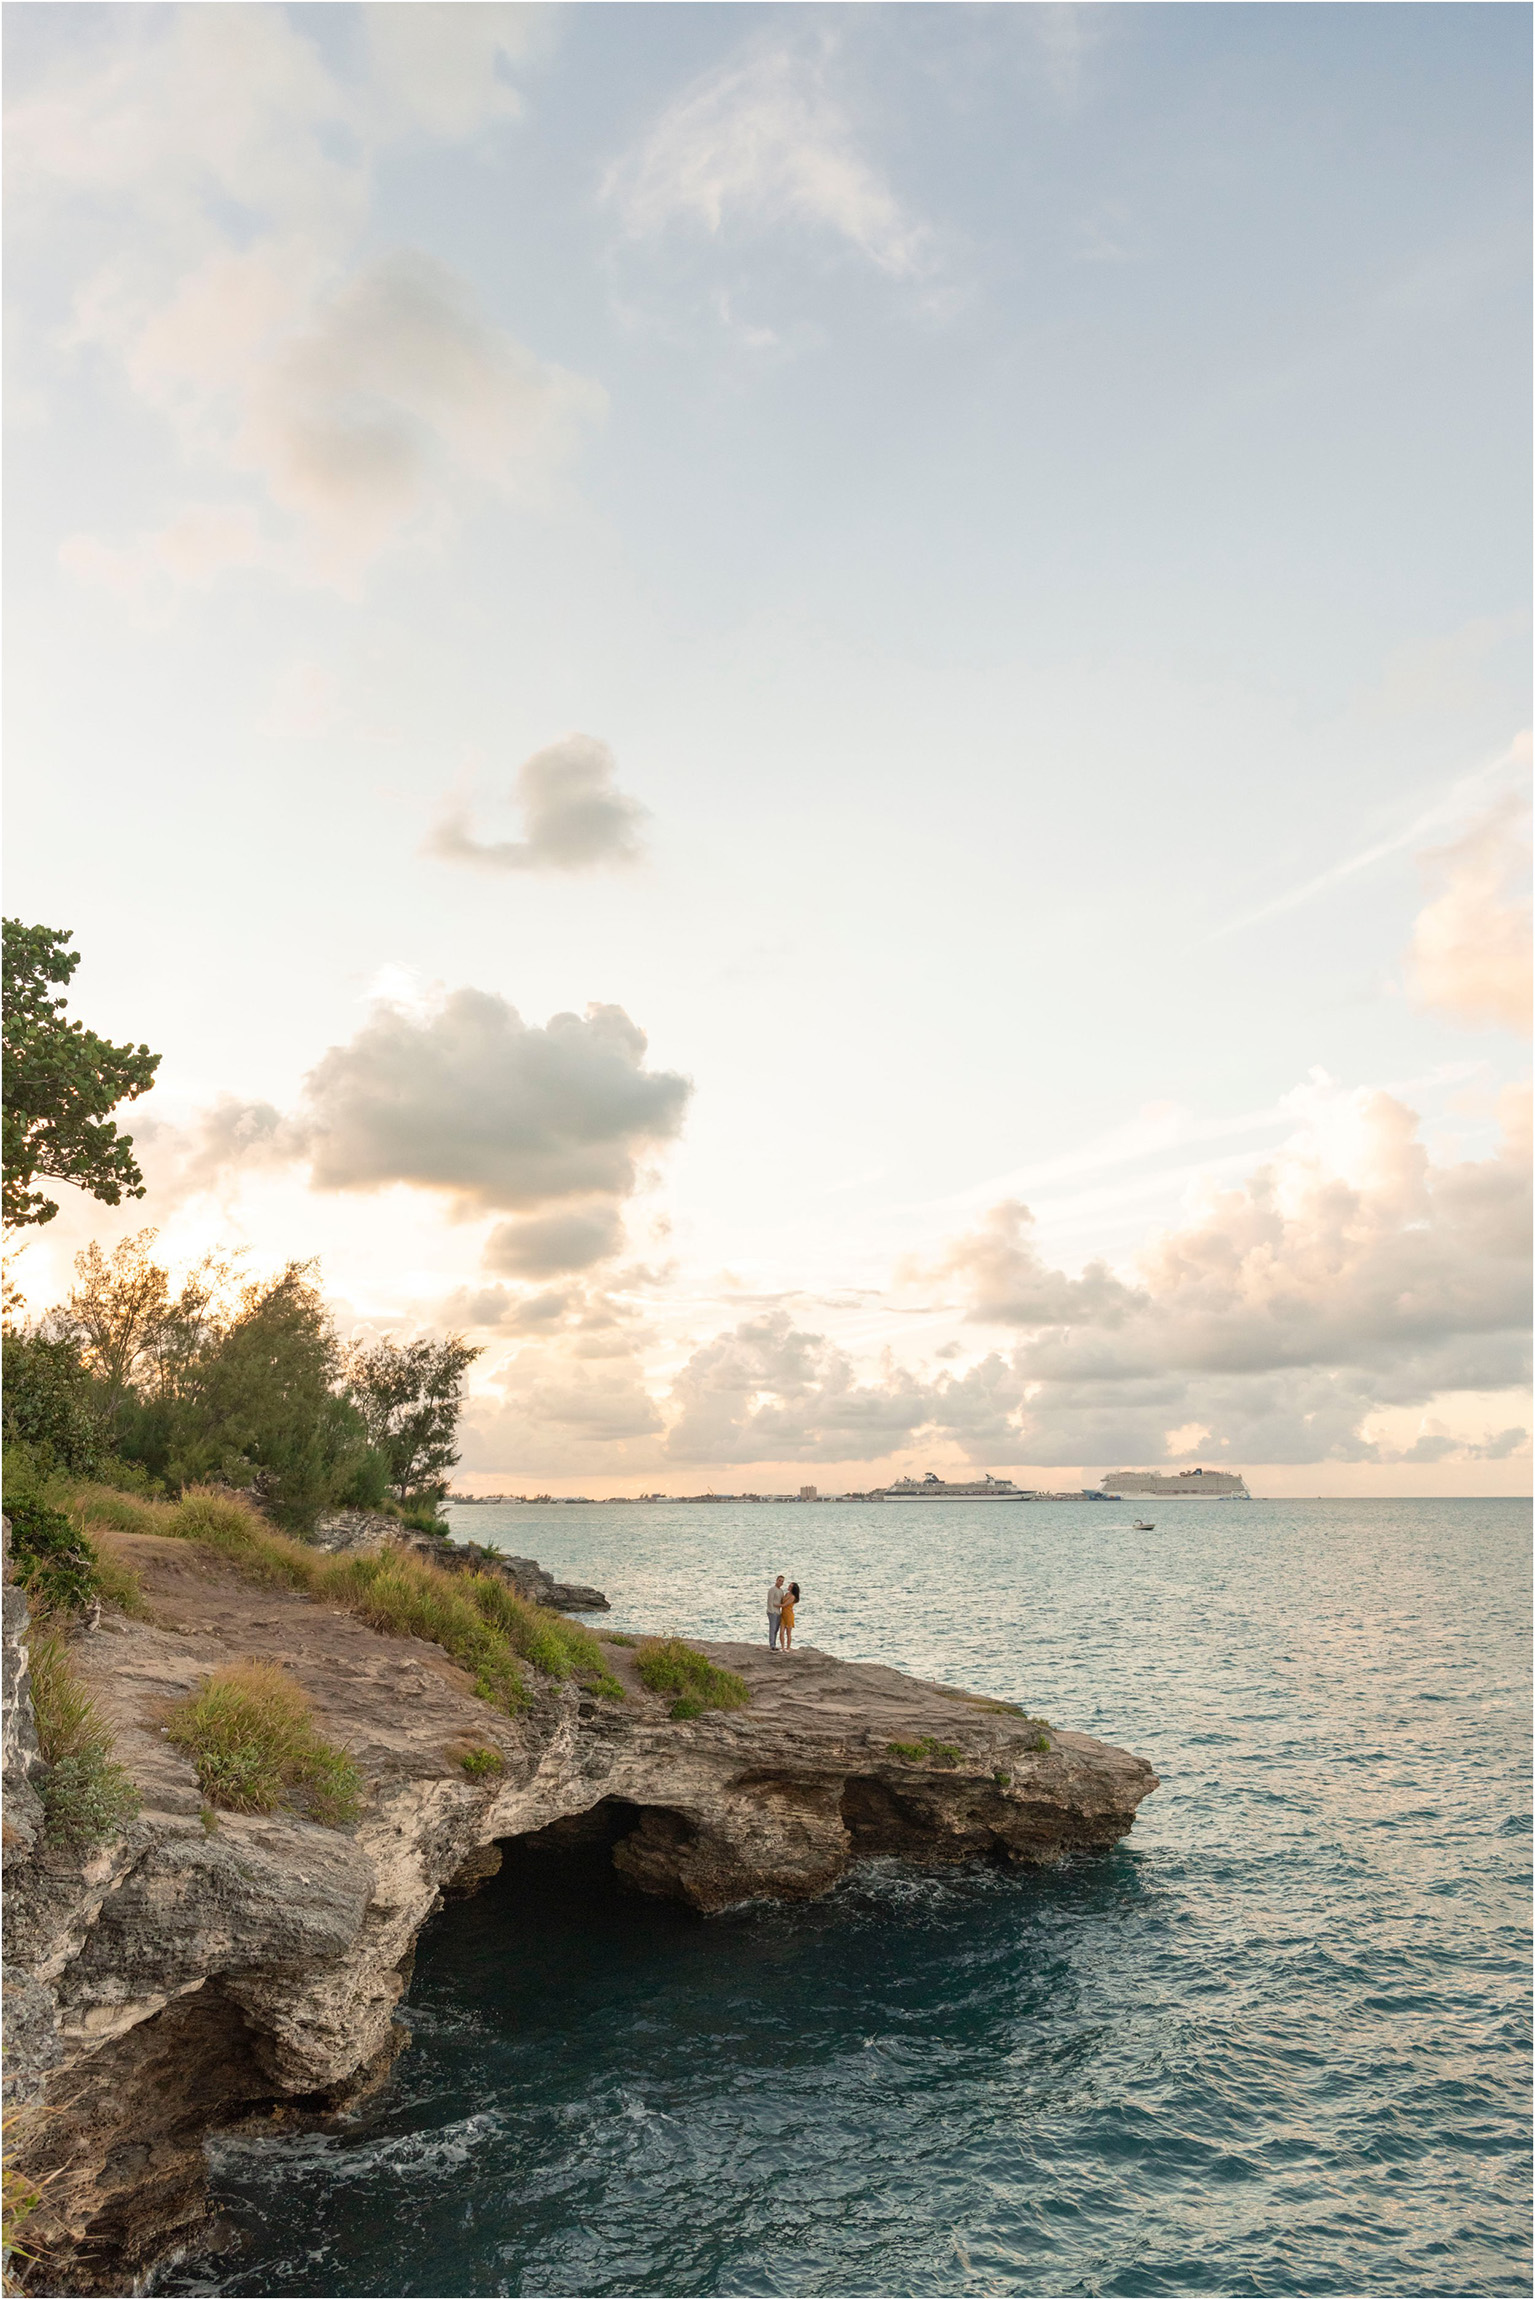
(1189, 1484)
(933, 1488)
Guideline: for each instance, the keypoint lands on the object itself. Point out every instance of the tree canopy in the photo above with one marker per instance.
(61, 1081)
(411, 1395)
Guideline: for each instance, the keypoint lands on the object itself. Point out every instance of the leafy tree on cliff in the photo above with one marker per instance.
(411, 1395)
(61, 1081)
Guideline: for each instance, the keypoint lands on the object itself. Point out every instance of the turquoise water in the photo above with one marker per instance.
(1276, 2042)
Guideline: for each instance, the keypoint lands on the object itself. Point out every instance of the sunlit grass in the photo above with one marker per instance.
(254, 1746)
(667, 1665)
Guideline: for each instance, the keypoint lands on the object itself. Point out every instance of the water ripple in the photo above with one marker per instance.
(1275, 2043)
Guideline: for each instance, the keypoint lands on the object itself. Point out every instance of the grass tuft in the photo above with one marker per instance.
(253, 1744)
(666, 1665)
(614, 1637)
(926, 1750)
(87, 1797)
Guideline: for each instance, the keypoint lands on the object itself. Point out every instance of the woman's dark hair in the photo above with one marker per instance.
(794, 1589)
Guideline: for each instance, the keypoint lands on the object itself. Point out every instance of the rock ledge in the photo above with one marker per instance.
(179, 1978)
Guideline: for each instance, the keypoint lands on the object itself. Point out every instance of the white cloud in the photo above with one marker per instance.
(1348, 1273)
(1448, 808)
(371, 400)
(1470, 952)
(457, 1094)
(445, 70)
(763, 144)
(575, 816)
(473, 1101)
(768, 1392)
(200, 544)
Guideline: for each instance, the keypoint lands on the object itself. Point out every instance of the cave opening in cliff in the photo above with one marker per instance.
(615, 1848)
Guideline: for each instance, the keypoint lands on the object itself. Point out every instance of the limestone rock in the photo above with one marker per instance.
(176, 1979)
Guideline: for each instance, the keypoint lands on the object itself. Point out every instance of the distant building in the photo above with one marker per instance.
(808, 1493)
(1155, 1485)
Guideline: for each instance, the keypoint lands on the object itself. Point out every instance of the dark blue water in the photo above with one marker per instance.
(1277, 2042)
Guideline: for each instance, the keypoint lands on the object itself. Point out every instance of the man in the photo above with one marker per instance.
(775, 1608)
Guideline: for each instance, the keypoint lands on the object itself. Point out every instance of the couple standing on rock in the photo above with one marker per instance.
(781, 1604)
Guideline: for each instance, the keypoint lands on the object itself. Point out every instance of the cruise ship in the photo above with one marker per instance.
(933, 1488)
(1189, 1484)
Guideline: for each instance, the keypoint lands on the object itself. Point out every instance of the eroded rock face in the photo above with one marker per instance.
(179, 1976)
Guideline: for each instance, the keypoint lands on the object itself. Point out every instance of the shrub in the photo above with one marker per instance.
(50, 1404)
(55, 1561)
(86, 1796)
(1041, 1743)
(926, 1750)
(666, 1665)
(614, 1637)
(478, 1762)
(253, 1744)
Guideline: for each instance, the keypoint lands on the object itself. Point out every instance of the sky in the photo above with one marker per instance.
(817, 716)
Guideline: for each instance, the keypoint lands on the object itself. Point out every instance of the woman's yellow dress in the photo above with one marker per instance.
(786, 1617)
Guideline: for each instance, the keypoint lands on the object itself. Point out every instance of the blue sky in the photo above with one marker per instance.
(1031, 501)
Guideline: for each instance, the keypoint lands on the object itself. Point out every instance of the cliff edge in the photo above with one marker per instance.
(200, 1965)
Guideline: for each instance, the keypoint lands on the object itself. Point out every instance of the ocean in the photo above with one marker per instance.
(1277, 2041)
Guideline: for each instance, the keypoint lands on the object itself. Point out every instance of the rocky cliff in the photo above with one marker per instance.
(196, 1969)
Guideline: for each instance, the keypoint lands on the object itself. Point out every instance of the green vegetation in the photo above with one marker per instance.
(55, 1561)
(1003, 1780)
(477, 1618)
(1041, 1744)
(86, 1795)
(61, 1080)
(615, 1637)
(133, 1384)
(666, 1665)
(253, 1744)
(411, 1395)
(926, 1751)
(477, 1763)
(134, 1381)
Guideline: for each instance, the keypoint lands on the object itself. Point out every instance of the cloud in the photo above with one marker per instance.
(226, 170)
(767, 1391)
(445, 71)
(1348, 1273)
(1448, 808)
(762, 144)
(473, 1101)
(576, 818)
(201, 543)
(1470, 954)
(394, 385)
(553, 1415)
(554, 1245)
(1009, 1284)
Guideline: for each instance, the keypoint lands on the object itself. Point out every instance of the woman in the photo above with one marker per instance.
(786, 1617)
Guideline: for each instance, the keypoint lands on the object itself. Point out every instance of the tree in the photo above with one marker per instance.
(61, 1080)
(411, 1395)
(261, 1407)
(50, 1404)
(137, 1334)
(115, 1308)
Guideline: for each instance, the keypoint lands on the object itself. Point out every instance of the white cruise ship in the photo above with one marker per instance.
(933, 1488)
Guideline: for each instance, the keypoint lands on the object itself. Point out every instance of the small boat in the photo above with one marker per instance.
(1144, 1525)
